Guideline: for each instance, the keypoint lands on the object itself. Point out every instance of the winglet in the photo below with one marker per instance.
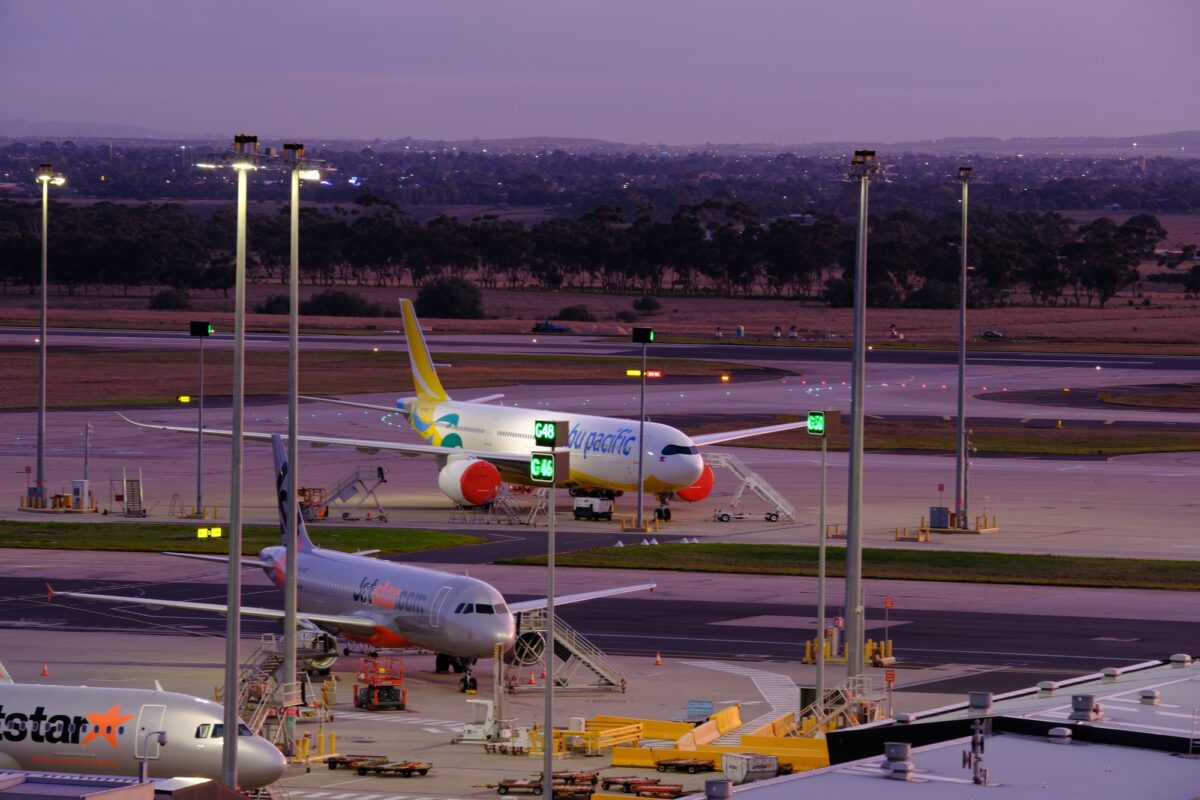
(425, 378)
(49, 593)
(4, 676)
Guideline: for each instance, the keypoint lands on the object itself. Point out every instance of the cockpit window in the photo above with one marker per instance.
(218, 731)
(500, 608)
(244, 729)
(469, 608)
(483, 608)
(202, 731)
(679, 450)
(459, 609)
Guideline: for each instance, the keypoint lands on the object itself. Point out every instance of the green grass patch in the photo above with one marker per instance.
(133, 536)
(938, 436)
(1183, 398)
(911, 565)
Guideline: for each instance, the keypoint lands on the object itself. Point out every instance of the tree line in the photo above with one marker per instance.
(712, 247)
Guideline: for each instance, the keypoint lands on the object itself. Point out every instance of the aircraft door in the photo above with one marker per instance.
(149, 720)
(435, 608)
(489, 435)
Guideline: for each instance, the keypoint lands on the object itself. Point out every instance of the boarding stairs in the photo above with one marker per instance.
(131, 494)
(364, 481)
(575, 652)
(262, 695)
(749, 479)
(504, 510)
(852, 702)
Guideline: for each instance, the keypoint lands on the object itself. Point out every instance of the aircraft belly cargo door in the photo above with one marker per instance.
(149, 720)
(435, 608)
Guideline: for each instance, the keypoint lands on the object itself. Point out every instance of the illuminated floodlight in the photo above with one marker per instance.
(310, 174)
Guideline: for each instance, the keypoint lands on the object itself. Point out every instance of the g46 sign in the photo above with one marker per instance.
(548, 467)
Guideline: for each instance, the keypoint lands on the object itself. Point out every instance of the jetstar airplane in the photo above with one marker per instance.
(379, 603)
(96, 730)
(478, 445)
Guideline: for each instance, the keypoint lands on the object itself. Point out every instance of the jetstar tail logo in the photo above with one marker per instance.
(63, 728)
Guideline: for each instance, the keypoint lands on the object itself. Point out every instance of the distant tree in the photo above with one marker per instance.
(170, 300)
(338, 303)
(1191, 280)
(576, 313)
(647, 305)
(275, 304)
(450, 298)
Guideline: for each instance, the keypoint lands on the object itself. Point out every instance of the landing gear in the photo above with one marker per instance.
(467, 684)
(444, 664)
(663, 512)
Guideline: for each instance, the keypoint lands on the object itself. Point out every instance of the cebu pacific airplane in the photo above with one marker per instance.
(478, 445)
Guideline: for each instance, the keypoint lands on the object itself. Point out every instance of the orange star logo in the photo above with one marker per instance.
(105, 725)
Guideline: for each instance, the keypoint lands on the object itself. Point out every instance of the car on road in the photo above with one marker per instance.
(993, 335)
(547, 326)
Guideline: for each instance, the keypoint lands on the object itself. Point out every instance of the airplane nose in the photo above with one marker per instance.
(259, 763)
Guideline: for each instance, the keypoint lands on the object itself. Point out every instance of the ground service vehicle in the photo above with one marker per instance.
(593, 508)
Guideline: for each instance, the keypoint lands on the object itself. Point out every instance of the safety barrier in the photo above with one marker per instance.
(587, 742)
(982, 525)
(785, 725)
(651, 728)
(835, 531)
(806, 754)
(919, 535)
(648, 525)
(875, 651)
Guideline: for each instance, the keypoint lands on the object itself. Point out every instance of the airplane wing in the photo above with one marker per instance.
(728, 436)
(514, 461)
(246, 562)
(342, 622)
(567, 599)
(352, 404)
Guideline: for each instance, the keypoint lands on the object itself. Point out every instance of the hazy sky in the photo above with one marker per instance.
(679, 71)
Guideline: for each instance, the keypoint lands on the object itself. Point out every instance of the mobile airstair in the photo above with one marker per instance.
(752, 481)
(575, 652)
(362, 483)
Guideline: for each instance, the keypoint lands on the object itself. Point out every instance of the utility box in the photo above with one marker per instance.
(79, 495)
(749, 767)
(593, 508)
(939, 517)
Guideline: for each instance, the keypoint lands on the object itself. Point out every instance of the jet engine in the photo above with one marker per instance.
(528, 649)
(472, 481)
(700, 489)
(323, 646)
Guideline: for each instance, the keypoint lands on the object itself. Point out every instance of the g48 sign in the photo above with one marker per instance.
(550, 433)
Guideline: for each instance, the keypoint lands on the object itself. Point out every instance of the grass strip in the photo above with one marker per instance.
(182, 538)
(1015, 439)
(910, 565)
(85, 377)
(1184, 398)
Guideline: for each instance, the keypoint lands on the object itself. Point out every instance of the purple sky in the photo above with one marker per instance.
(678, 71)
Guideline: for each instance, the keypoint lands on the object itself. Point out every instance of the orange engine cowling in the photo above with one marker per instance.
(470, 480)
(700, 489)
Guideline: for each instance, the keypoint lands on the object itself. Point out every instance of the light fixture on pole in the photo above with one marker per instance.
(642, 336)
(823, 424)
(863, 167)
(960, 471)
(144, 758)
(37, 495)
(548, 467)
(300, 169)
(201, 330)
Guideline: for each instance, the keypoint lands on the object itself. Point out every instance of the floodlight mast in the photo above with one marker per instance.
(961, 455)
(863, 167)
(45, 176)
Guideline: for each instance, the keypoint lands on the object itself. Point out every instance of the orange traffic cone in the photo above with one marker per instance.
(531, 680)
(45, 670)
(543, 673)
(368, 516)
(658, 659)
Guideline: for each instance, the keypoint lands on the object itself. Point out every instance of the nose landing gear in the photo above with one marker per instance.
(663, 512)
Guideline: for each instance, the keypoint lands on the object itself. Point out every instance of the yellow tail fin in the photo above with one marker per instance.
(425, 378)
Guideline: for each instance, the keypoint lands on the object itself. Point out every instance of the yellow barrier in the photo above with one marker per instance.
(783, 726)
(874, 650)
(728, 719)
(812, 755)
(651, 728)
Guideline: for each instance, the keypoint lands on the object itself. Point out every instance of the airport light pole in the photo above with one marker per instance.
(45, 176)
(144, 761)
(300, 169)
(863, 167)
(823, 424)
(200, 329)
(960, 471)
(243, 159)
(545, 467)
(642, 336)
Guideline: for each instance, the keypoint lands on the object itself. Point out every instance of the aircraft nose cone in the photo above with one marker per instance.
(259, 763)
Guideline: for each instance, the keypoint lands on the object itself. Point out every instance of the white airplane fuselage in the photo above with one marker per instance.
(411, 606)
(94, 730)
(604, 450)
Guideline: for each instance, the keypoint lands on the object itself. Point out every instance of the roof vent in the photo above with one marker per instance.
(1148, 697)
(718, 789)
(979, 703)
(1180, 660)
(1059, 735)
(1047, 688)
(1084, 708)
(897, 764)
(1110, 675)
(906, 717)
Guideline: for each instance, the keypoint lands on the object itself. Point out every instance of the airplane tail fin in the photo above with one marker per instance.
(4, 676)
(283, 489)
(425, 378)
